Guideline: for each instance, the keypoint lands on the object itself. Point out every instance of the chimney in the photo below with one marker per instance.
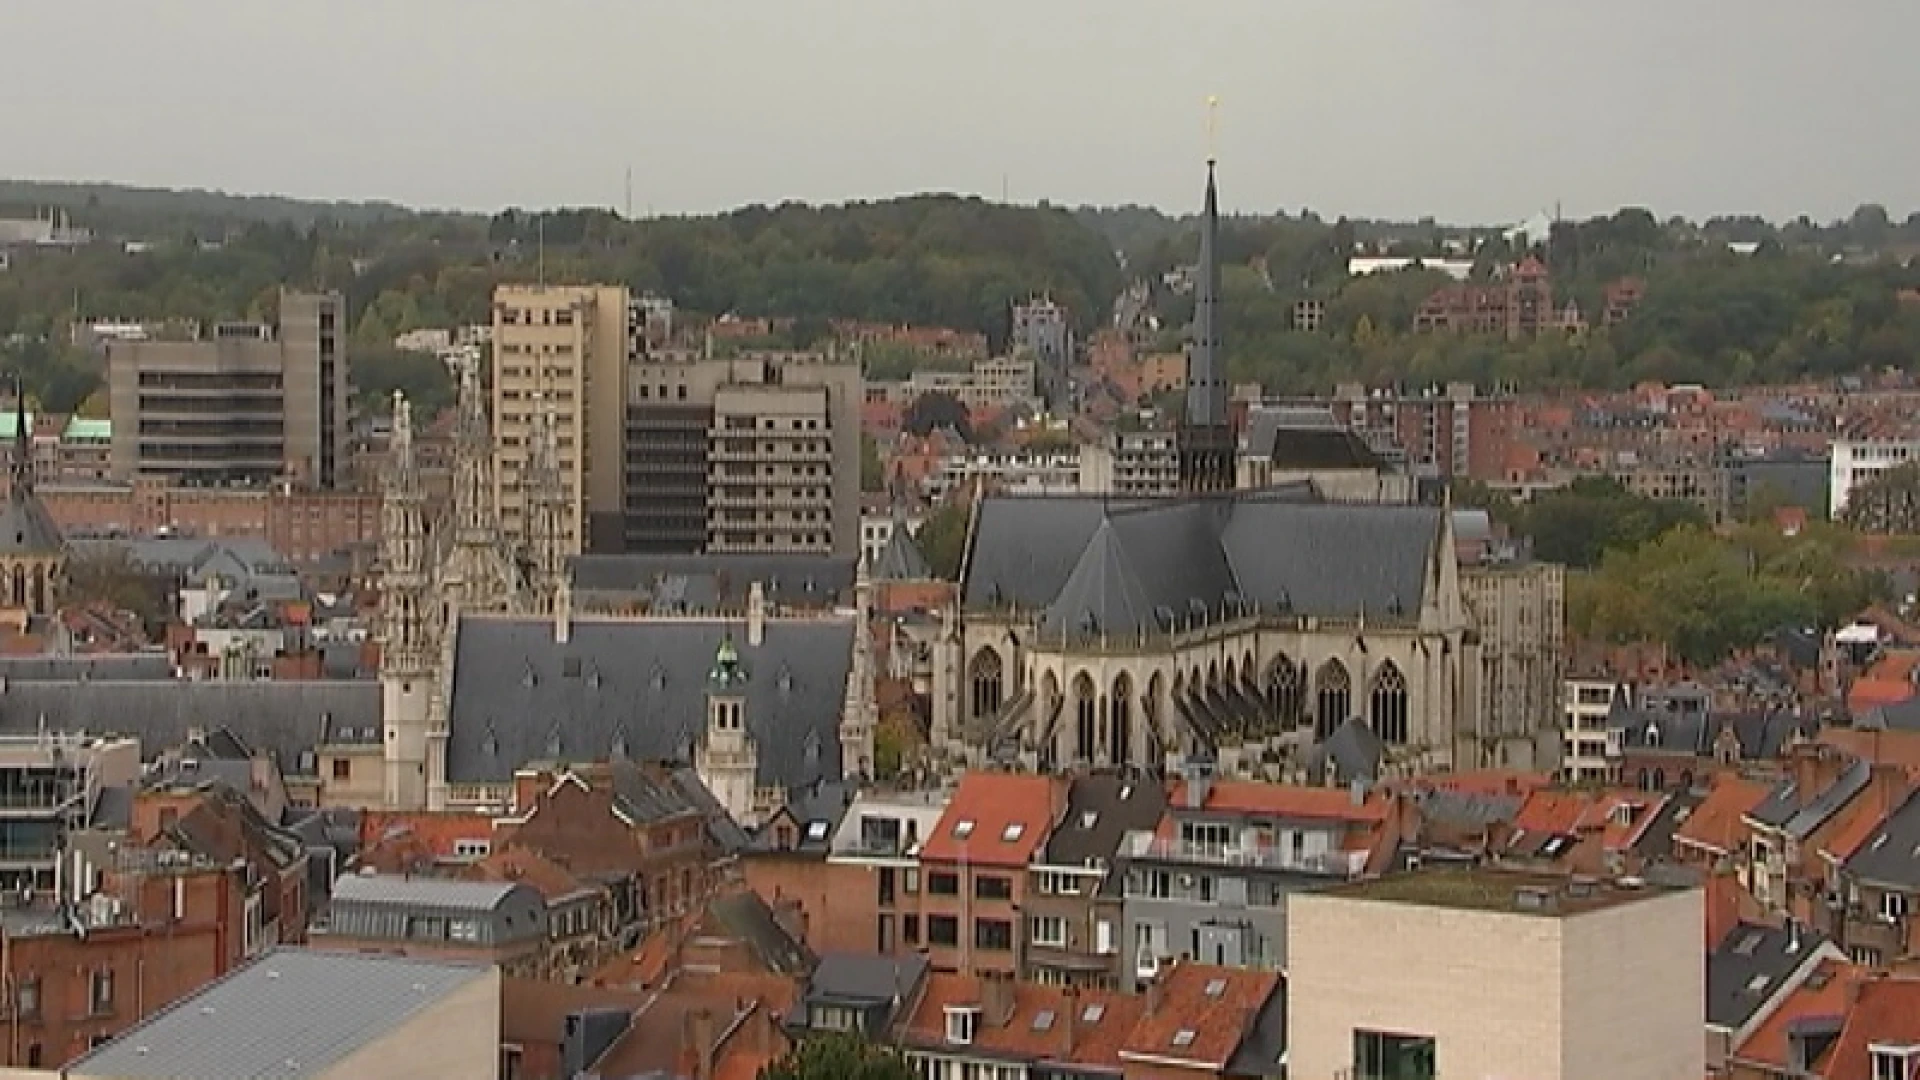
(1199, 778)
(996, 999)
(1069, 1019)
(756, 614)
(699, 1043)
(1153, 993)
(563, 612)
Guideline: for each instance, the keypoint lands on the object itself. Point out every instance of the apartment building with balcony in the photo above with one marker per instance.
(867, 896)
(757, 453)
(50, 788)
(1589, 744)
(1211, 882)
(1076, 896)
(1132, 463)
(242, 403)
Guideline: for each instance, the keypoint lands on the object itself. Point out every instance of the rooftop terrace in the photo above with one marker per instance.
(1547, 895)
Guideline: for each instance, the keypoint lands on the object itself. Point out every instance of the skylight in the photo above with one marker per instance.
(816, 830)
(1089, 819)
(1183, 1037)
(1043, 1020)
(962, 829)
(1757, 984)
(1093, 1014)
(1216, 987)
(1012, 832)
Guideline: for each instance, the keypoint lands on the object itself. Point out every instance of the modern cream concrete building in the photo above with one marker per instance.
(563, 349)
(1588, 755)
(243, 403)
(1479, 973)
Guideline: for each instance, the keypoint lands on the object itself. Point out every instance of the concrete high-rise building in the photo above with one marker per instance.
(754, 453)
(246, 403)
(562, 349)
(1042, 329)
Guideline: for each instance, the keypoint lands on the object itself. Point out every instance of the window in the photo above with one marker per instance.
(993, 888)
(100, 995)
(910, 929)
(994, 934)
(961, 1023)
(27, 999)
(943, 930)
(1893, 906)
(1049, 931)
(1103, 937)
(1864, 955)
(1183, 1037)
(472, 849)
(1012, 832)
(1892, 1062)
(1158, 884)
(463, 930)
(962, 829)
(910, 880)
(1379, 1055)
(342, 769)
(940, 883)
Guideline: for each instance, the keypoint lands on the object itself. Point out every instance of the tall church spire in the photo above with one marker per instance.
(1205, 442)
(405, 612)
(20, 469)
(480, 573)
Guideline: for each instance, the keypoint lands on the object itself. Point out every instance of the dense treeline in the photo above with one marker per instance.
(1808, 301)
(931, 260)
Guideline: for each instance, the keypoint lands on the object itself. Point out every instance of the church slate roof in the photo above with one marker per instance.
(286, 719)
(1272, 549)
(636, 689)
(1306, 438)
(901, 559)
(711, 583)
(26, 528)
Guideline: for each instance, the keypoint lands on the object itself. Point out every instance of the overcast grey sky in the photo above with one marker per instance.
(1470, 110)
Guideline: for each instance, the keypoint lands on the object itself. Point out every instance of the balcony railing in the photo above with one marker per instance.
(1331, 863)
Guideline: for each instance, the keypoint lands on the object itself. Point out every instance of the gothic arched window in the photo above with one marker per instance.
(1333, 698)
(985, 678)
(1286, 691)
(1120, 721)
(1387, 705)
(1085, 712)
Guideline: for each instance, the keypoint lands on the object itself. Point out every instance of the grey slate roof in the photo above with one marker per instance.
(1298, 437)
(637, 689)
(138, 665)
(705, 584)
(747, 917)
(1093, 562)
(1750, 966)
(285, 719)
(1101, 809)
(1783, 807)
(816, 811)
(863, 979)
(1761, 735)
(901, 559)
(292, 1013)
(1891, 856)
(25, 526)
(1354, 751)
(397, 890)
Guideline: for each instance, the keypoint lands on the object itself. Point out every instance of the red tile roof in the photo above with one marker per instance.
(1887, 1011)
(1283, 800)
(994, 819)
(1097, 1022)
(1717, 824)
(1824, 993)
(1196, 1028)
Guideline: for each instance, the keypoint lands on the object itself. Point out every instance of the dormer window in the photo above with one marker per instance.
(964, 1020)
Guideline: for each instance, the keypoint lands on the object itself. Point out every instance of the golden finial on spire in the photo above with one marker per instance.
(1213, 124)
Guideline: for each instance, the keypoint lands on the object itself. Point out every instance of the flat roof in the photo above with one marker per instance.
(1515, 892)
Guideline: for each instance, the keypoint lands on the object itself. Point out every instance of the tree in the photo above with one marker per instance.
(838, 1057)
(1888, 502)
(943, 540)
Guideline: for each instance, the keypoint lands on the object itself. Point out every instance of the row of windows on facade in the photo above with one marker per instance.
(1285, 694)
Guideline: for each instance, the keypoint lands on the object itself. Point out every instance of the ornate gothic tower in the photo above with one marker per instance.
(409, 617)
(1205, 442)
(859, 711)
(545, 541)
(479, 573)
(726, 758)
